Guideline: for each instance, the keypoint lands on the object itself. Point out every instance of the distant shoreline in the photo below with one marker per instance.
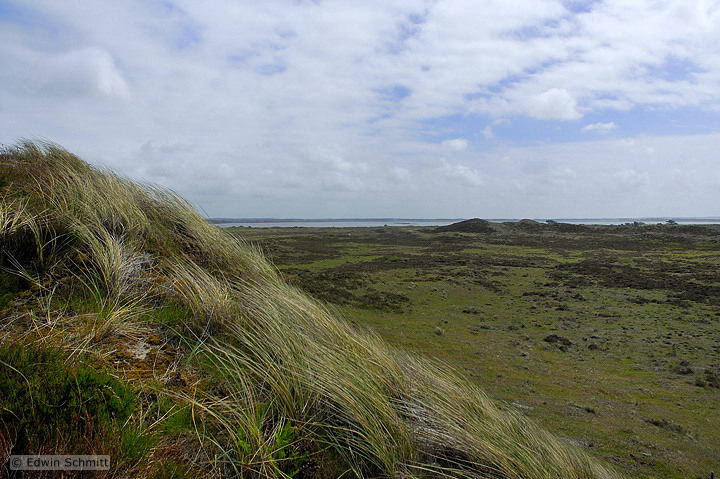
(378, 222)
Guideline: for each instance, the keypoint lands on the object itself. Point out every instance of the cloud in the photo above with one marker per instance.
(88, 69)
(400, 174)
(70, 74)
(460, 174)
(458, 144)
(488, 131)
(599, 127)
(555, 103)
(631, 178)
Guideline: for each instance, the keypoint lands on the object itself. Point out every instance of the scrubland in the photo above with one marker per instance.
(609, 336)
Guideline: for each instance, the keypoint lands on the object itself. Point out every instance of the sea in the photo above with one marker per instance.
(380, 222)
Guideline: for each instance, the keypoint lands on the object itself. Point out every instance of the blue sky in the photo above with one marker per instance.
(409, 108)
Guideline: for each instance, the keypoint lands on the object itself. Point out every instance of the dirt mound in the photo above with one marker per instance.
(475, 225)
(527, 225)
(532, 226)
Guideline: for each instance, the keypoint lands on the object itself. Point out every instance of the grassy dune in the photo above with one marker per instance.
(132, 327)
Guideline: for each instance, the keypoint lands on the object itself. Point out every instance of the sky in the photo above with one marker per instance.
(379, 108)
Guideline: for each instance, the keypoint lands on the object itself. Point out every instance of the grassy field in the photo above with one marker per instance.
(608, 336)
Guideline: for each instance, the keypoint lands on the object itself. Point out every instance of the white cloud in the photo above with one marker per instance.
(555, 103)
(631, 178)
(488, 131)
(71, 74)
(80, 72)
(460, 174)
(400, 174)
(458, 144)
(599, 127)
(562, 176)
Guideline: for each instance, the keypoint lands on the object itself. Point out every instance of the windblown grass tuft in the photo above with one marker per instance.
(271, 382)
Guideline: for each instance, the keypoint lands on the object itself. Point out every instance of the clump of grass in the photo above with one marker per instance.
(284, 387)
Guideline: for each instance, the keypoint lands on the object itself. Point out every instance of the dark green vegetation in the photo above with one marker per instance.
(50, 405)
(132, 327)
(606, 335)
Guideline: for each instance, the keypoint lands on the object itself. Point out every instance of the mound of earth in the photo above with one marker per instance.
(475, 225)
(532, 226)
(528, 225)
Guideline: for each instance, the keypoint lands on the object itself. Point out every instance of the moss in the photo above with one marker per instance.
(11, 286)
(170, 314)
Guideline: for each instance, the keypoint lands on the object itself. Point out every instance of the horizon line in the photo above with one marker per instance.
(223, 219)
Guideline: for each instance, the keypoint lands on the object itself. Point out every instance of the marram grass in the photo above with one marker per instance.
(281, 386)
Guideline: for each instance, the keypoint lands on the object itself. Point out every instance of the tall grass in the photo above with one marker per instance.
(289, 388)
